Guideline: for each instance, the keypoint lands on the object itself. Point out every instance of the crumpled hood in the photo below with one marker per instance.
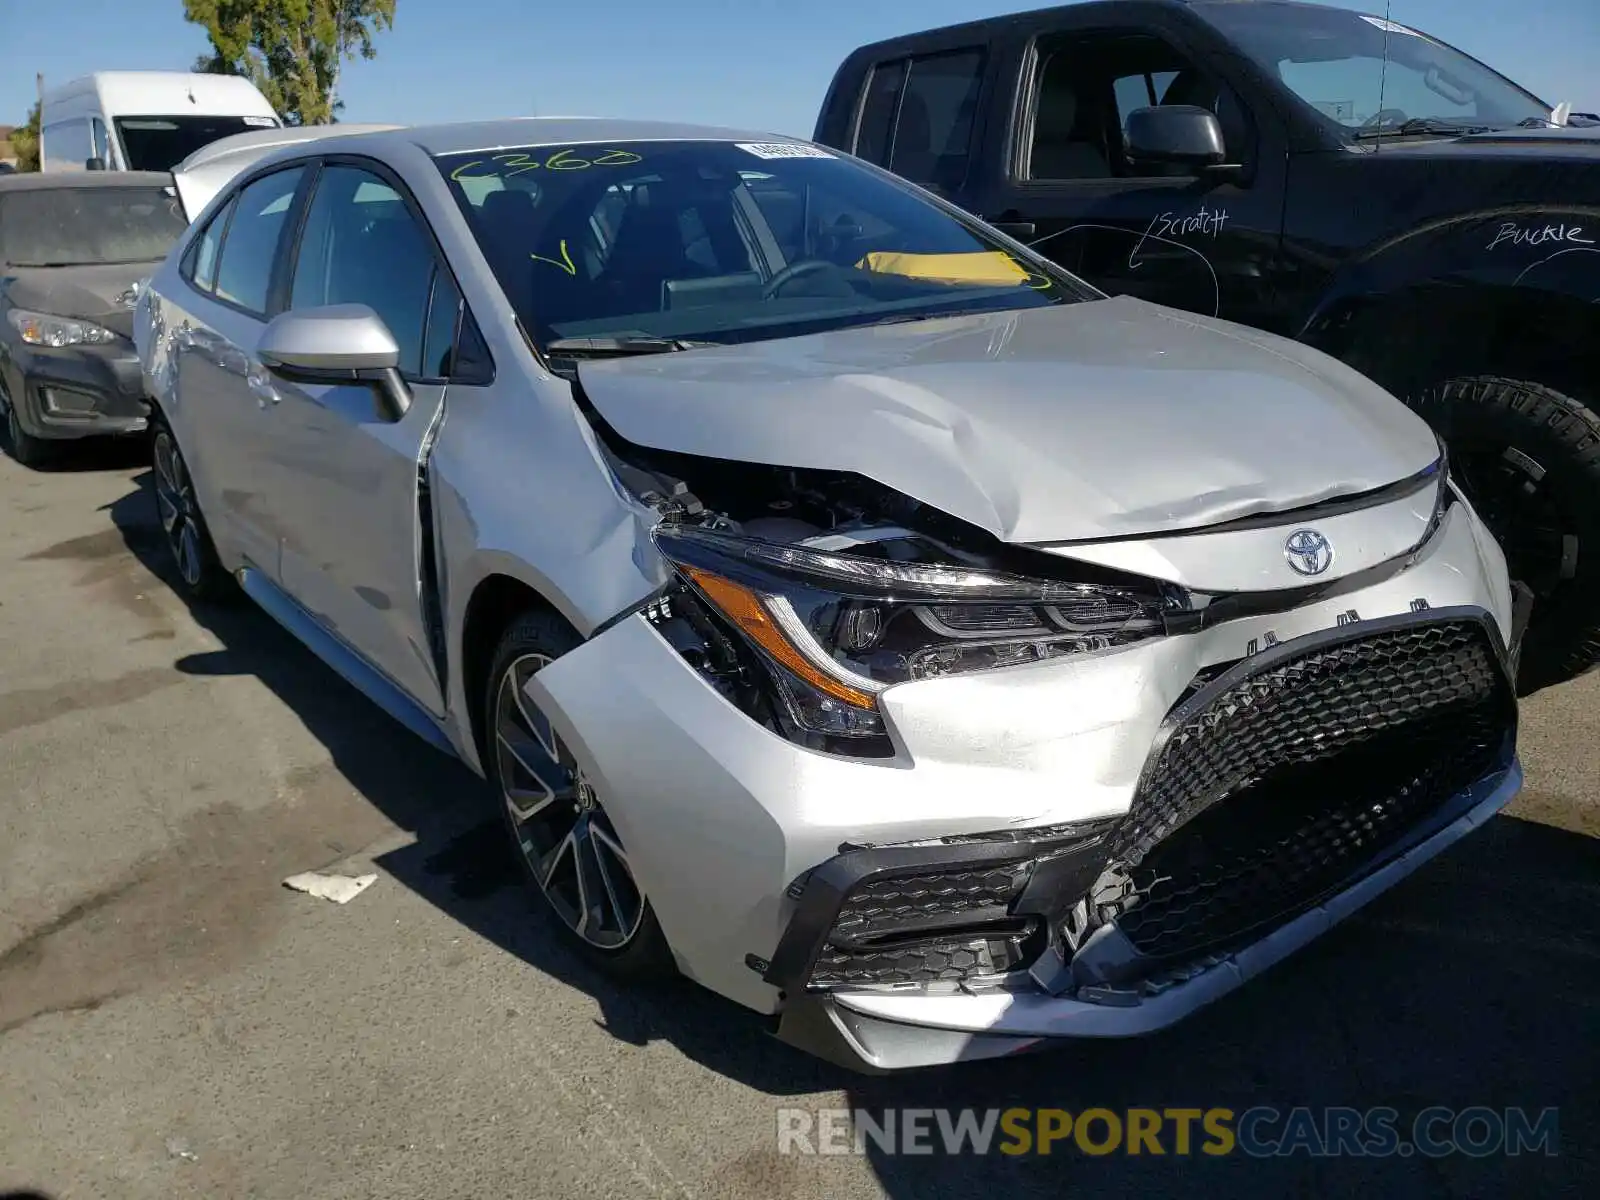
(89, 293)
(1108, 418)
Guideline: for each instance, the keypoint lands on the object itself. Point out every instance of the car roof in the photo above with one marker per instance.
(254, 139)
(37, 181)
(200, 179)
(552, 131)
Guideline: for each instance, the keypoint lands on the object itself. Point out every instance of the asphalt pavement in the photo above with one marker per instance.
(174, 1022)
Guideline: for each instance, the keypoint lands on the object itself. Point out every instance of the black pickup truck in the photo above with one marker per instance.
(1323, 174)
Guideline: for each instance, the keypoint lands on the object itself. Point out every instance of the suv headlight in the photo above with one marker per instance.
(831, 631)
(41, 329)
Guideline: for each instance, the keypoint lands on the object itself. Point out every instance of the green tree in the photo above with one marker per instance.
(25, 141)
(293, 50)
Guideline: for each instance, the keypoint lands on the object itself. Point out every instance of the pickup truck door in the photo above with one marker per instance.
(1207, 242)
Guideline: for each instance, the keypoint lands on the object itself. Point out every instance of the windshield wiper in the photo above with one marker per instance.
(1418, 125)
(617, 344)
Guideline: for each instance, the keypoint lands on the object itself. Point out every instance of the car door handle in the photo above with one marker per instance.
(1016, 229)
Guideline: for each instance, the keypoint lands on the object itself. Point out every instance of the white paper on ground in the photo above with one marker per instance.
(341, 889)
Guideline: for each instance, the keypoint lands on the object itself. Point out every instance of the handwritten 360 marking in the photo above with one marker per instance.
(561, 160)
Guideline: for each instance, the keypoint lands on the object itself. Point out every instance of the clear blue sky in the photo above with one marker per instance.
(757, 63)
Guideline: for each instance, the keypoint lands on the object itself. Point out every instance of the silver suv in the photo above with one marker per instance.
(852, 610)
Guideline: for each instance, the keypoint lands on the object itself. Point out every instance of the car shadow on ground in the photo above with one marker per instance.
(1475, 983)
(90, 454)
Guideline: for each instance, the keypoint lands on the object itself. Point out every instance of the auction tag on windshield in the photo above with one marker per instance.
(1389, 26)
(261, 122)
(782, 150)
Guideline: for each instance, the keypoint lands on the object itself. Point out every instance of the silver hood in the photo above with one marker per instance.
(1109, 418)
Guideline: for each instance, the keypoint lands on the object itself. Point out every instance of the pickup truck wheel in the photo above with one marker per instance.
(1528, 457)
(559, 827)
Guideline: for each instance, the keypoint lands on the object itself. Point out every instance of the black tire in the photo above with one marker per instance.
(642, 955)
(1528, 457)
(197, 573)
(31, 452)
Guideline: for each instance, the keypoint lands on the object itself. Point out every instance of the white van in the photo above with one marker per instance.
(144, 120)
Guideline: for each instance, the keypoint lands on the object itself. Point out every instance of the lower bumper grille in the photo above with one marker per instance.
(920, 928)
(1276, 788)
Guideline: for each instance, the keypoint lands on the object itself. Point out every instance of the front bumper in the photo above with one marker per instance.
(749, 845)
(77, 391)
(878, 1031)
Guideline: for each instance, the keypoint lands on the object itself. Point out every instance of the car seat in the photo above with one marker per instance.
(1062, 147)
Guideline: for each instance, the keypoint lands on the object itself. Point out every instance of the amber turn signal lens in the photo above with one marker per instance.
(745, 609)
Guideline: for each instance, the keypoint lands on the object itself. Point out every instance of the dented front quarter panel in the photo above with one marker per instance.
(521, 490)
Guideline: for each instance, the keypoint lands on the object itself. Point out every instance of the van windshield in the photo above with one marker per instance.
(726, 242)
(161, 143)
(87, 226)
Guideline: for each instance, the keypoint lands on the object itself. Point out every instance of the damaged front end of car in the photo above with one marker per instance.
(1265, 762)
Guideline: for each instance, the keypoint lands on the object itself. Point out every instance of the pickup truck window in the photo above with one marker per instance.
(1087, 86)
(876, 129)
(918, 115)
(1370, 76)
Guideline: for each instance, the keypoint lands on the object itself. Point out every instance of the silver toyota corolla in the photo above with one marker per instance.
(851, 610)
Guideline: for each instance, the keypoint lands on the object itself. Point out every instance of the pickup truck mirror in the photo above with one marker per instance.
(1183, 134)
(94, 164)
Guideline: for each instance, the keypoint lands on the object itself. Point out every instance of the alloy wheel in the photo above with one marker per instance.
(175, 502)
(563, 832)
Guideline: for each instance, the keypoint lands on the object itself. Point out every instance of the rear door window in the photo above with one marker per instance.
(876, 128)
(930, 105)
(250, 247)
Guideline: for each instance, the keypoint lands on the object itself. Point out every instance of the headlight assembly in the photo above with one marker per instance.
(41, 329)
(831, 631)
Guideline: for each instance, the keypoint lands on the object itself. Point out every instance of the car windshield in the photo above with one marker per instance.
(161, 143)
(1335, 61)
(80, 226)
(722, 241)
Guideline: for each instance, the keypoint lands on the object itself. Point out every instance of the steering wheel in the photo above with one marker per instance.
(1386, 116)
(795, 270)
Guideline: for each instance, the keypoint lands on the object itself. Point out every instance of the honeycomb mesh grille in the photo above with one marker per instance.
(924, 960)
(889, 930)
(1297, 777)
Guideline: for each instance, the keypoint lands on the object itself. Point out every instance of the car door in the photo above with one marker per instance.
(1203, 240)
(354, 540)
(222, 416)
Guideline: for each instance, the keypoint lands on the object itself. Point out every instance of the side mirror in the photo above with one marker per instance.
(94, 164)
(1181, 134)
(338, 344)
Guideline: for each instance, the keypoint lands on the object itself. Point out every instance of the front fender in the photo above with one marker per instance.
(521, 490)
(1494, 287)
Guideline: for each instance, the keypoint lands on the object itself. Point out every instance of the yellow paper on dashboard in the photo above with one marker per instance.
(991, 267)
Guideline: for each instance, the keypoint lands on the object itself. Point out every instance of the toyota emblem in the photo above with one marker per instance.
(1308, 552)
